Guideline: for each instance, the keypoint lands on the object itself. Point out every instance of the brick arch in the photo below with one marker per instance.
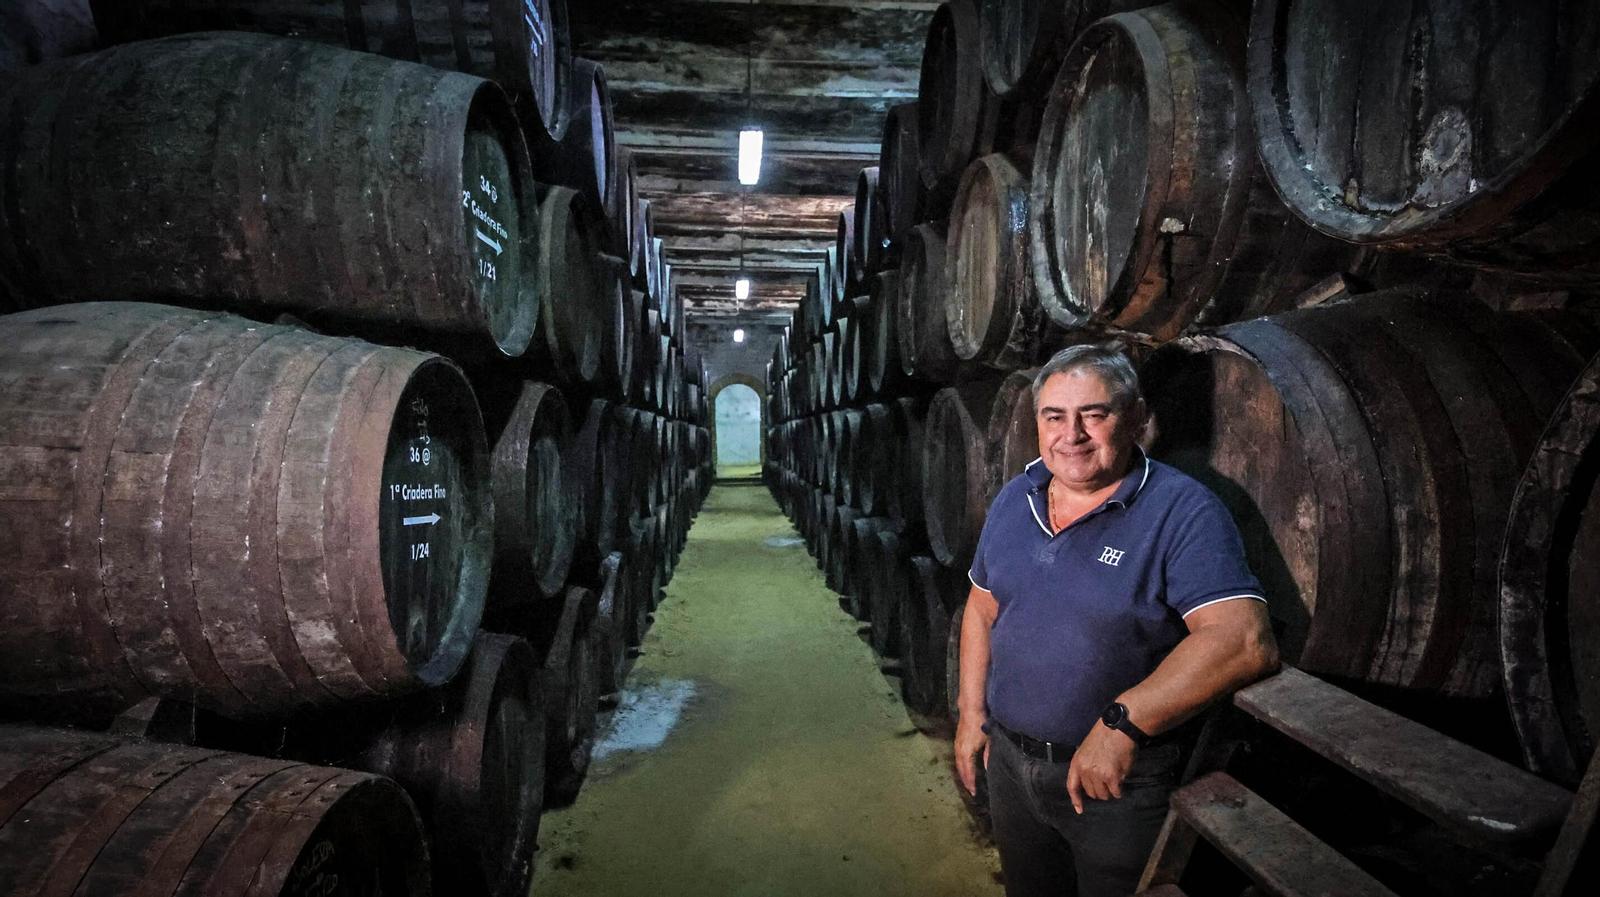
(760, 387)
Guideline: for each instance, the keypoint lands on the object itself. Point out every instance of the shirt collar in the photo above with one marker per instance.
(1138, 474)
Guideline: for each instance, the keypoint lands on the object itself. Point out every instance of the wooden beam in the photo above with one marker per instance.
(813, 144)
(853, 35)
(685, 170)
(753, 243)
(856, 120)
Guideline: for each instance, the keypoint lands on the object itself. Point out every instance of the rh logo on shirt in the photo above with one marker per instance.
(1111, 556)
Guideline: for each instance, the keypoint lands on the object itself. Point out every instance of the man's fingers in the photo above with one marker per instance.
(967, 774)
(1075, 788)
(1114, 785)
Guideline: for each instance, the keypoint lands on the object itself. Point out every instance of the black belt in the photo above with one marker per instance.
(1033, 748)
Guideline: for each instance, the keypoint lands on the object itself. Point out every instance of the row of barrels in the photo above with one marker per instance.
(299, 535)
(364, 194)
(317, 553)
(1392, 437)
(1409, 471)
(1078, 226)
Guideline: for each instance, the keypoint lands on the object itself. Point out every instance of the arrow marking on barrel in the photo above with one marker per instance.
(428, 520)
(485, 238)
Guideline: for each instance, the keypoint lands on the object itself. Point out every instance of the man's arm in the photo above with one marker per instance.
(970, 737)
(1229, 646)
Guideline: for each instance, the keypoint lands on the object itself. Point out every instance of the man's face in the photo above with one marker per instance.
(1084, 438)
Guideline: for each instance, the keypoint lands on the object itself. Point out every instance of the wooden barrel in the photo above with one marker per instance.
(875, 460)
(833, 356)
(616, 308)
(848, 355)
(244, 515)
(472, 756)
(858, 560)
(955, 456)
(900, 176)
(644, 559)
(925, 348)
(977, 804)
(907, 415)
(1461, 129)
(585, 156)
(623, 205)
(881, 353)
(1150, 212)
(835, 555)
(867, 229)
(612, 611)
(591, 471)
(353, 191)
(533, 522)
(35, 31)
(990, 307)
(1368, 450)
(1022, 42)
(576, 308)
(644, 232)
(522, 44)
(844, 277)
(956, 114)
(571, 693)
(86, 813)
(622, 445)
(1013, 434)
(924, 634)
(842, 469)
(890, 575)
(1548, 578)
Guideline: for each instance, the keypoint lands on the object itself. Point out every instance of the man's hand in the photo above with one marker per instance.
(1099, 765)
(970, 741)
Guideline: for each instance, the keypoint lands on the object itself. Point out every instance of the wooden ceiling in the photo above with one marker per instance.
(817, 76)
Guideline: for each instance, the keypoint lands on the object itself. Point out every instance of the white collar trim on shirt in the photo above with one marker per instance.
(1035, 509)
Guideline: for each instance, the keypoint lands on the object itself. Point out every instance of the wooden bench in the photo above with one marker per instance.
(1482, 800)
(1278, 854)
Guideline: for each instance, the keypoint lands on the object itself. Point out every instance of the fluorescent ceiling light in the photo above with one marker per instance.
(741, 288)
(749, 157)
(738, 334)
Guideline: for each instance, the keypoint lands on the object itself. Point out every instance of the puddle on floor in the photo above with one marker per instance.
(783, 541)
(646, 714)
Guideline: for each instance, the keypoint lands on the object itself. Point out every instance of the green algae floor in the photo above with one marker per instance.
(759, 752)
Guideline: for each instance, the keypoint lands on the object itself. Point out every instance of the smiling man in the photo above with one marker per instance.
(1110, 603)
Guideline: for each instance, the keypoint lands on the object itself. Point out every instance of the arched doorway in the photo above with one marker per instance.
(737, 429)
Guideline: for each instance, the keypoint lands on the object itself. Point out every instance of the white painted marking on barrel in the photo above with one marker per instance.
(485, 238)
(428, 520)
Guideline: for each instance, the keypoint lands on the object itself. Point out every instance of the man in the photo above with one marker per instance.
(1110, 603)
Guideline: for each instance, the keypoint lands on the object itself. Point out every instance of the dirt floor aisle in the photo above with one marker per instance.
(758, 751)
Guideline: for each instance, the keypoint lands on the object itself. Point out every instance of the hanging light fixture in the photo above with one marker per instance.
(738, 334)
(750, 156)
(750, 137)
(741, 289)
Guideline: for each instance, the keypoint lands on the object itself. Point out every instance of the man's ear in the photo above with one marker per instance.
(1149, 427)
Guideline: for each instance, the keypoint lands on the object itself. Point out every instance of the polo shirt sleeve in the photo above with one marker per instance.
(978, 573)
(1207, 564)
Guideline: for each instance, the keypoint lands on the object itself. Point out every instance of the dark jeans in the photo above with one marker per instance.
(1048, 850)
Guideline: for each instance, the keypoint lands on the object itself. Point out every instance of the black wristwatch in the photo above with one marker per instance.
(1115, 716)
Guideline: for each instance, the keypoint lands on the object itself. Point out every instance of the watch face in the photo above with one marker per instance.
(1114, 714)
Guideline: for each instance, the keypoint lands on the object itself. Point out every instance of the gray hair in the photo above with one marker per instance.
(1107, 360)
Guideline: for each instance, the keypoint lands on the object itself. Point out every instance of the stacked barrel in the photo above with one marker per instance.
(1356, 288)
(347, 421)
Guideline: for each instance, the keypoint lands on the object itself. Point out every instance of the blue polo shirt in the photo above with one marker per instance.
(1087, 613)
